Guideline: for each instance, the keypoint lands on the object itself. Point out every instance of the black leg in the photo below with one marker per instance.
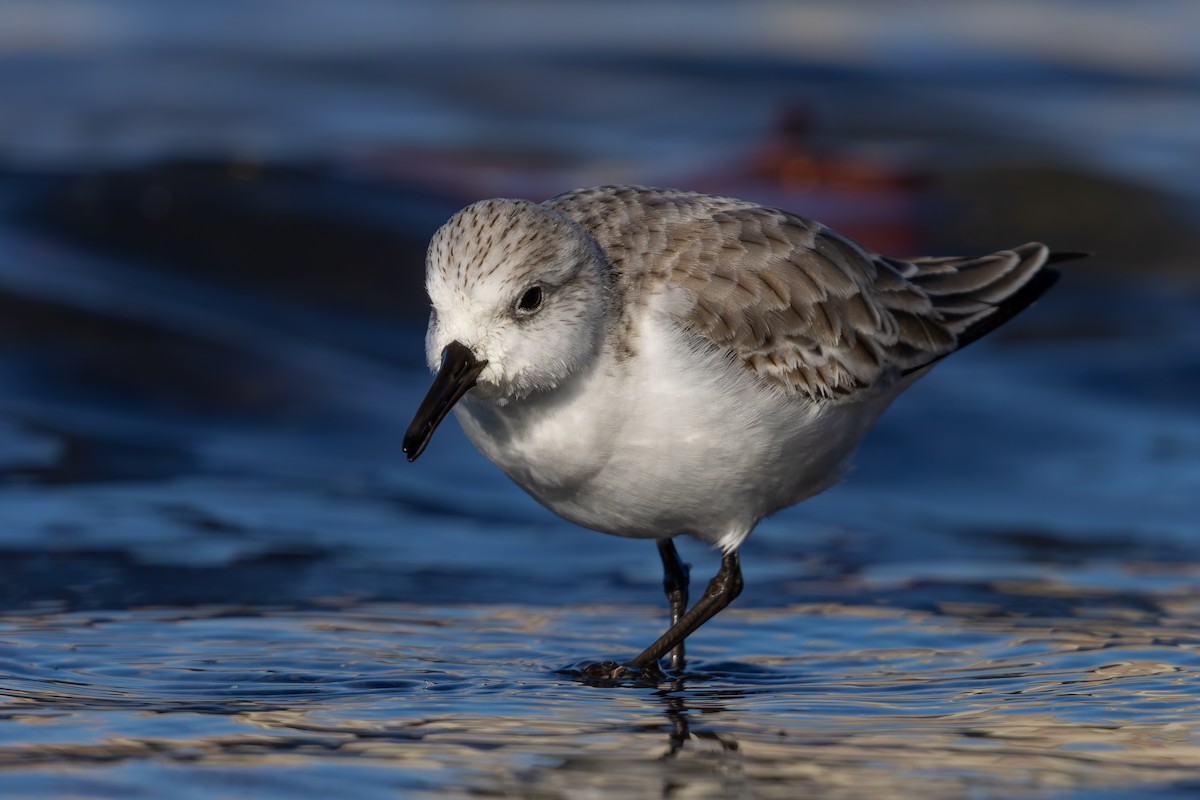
(675, 583)
(722, 589)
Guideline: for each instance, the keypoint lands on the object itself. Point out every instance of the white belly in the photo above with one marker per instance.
(673, 441)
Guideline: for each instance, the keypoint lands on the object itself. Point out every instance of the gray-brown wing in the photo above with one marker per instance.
(806, 309)
(809, 310)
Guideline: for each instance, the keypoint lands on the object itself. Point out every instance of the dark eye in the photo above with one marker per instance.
(531, 300)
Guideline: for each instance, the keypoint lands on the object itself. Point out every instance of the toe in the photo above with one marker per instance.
(603, 670)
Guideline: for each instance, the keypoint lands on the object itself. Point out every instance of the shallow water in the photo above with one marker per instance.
(840, 699)
(219, 578)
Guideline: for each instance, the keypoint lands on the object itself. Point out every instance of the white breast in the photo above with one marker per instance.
(675, 440)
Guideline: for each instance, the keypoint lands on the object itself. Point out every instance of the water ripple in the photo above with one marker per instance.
(876, 700)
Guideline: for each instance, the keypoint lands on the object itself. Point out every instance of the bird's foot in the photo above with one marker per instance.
(605, 671)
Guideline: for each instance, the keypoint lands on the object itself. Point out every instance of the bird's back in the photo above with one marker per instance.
(805, 309)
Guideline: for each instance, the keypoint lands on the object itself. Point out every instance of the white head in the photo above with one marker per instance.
(525, 288)
(521, 298)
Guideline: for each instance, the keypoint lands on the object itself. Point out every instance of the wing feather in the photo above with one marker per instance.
(805, 309)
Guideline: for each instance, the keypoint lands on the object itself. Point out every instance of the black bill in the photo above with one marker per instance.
(457, 375)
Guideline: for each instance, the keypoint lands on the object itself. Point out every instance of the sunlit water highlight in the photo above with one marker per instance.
(477, 700)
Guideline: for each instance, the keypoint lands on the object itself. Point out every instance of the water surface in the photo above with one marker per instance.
(219, 578)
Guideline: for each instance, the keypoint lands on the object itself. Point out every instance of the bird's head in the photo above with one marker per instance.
(521, 299)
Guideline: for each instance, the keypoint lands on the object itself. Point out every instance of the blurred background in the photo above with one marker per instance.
(212, 229)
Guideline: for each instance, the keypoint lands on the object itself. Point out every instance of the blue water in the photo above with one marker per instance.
(218, 576)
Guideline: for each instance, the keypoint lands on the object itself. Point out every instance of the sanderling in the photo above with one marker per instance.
(653, 363)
